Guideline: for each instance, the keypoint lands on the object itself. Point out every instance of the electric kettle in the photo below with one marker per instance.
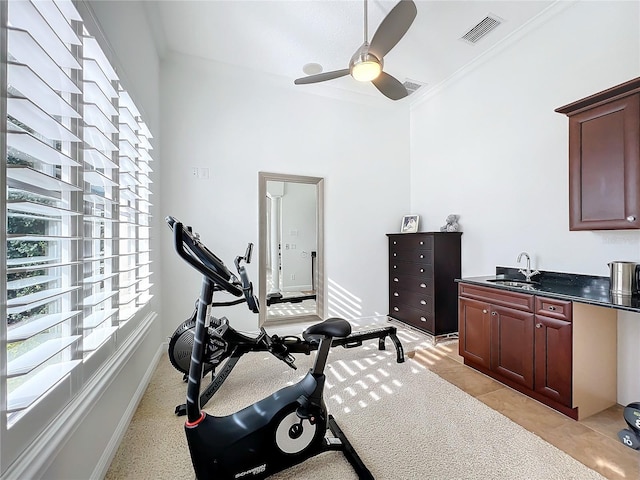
(624, 277)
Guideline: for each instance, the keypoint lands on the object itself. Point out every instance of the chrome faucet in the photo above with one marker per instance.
(527, 273)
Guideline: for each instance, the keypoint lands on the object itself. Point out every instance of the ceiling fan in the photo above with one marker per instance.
(366, 64)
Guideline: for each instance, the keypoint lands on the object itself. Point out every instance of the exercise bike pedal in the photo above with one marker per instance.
(181, 410)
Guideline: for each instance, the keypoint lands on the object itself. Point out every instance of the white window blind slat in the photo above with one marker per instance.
(36, 387)
(59, 24)
(93, 341)
(99, 317)
(39, 120)
(23, 15)
(36, 89)
(38, 325)
(34, 177)
(26, 50)
(38, 355)
(38, 208)
(33, 147)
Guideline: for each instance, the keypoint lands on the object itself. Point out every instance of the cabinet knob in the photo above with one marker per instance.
(484, 310)
(422, 270)
(395, 254)
(538, 325)
(422, 319)
(395, 294)
(494, 313)
(396, 309)
(395, 279)
(552, 308)
(631, 218)
(421, 242)
(423, 302)
(423, 285)
(421, 256)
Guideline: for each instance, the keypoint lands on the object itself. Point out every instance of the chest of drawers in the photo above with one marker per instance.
(422, 272)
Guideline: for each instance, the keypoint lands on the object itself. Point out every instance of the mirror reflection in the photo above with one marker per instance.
(290, 248)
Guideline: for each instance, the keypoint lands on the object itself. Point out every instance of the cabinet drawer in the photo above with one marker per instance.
(413, 316)
(554, 308)
(422, 270)
(418, 300)
(520, 301)
(404, 283)
(413, 255)
(411, 241)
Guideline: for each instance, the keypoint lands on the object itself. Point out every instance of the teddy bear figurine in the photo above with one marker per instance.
(452, 224)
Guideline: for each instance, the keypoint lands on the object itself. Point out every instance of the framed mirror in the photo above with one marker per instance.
(291, 248)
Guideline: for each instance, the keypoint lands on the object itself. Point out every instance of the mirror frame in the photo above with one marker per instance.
(263, 178)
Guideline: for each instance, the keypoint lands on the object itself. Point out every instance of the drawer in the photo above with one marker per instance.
(419, 300)
(422, 270)
(554, 308)
(406, 283)
(413, 255)
(417, 318)
(497, 296)
(410, 241)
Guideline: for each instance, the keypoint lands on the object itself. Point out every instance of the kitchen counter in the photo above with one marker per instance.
(588, 289)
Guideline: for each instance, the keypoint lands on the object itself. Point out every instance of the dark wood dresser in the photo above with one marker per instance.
(422, 272)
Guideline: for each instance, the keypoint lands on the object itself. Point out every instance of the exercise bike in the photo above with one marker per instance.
(277, 432)
(223, 345)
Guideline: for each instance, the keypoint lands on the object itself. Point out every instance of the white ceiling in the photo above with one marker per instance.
(279, 37)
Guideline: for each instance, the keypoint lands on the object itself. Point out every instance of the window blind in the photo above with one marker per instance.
(77, 207)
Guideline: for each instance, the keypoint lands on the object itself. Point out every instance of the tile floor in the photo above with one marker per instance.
(592, 441)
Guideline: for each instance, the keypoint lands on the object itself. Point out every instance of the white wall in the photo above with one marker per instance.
(238, 122)
(490, 147)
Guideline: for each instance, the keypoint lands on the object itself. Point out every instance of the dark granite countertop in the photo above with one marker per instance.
(568, 286)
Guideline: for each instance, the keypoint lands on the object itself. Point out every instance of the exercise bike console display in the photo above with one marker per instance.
(279, 431)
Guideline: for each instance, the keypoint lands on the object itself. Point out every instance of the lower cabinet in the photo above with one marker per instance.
(522, 340)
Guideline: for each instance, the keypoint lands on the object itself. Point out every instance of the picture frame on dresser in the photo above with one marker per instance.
(409, 224)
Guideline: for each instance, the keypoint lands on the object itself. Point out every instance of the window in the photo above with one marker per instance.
(77, 208)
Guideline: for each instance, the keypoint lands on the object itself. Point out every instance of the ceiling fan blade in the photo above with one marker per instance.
(393, 28)
(390, 87)
(321, 77)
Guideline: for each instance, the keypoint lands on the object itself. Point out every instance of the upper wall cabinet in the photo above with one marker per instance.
(604, 159)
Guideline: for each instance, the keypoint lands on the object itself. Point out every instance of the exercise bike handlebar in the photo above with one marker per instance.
(202, 259)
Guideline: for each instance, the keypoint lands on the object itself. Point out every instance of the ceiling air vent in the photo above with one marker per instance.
(412, 85)
(486, 25)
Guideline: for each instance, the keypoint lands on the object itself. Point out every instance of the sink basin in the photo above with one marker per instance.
(514, 283)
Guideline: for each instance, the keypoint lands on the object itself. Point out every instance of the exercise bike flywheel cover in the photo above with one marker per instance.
(181, 345)
(632, 417)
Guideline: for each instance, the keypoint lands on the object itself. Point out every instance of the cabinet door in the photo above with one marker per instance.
(553, 358)
(604, 170)
(512, 344)
(474, 326)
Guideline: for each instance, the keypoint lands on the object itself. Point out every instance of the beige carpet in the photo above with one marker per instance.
(403, 420)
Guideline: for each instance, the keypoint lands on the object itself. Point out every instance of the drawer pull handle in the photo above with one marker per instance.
(421, 256)
(395, 254)
(395, 243)
(395, 294)
(484, 310)
(422, 270)
(631, 218)
(395, 279)
(422, 319)
(423, 302)
(423, 285)
(551, 307)
(396, 309)
(421, 242)
(538, 325)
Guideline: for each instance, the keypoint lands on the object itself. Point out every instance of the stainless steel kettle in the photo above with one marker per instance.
(624, 277)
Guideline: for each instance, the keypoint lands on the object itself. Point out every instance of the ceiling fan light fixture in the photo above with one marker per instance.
(365, 66)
